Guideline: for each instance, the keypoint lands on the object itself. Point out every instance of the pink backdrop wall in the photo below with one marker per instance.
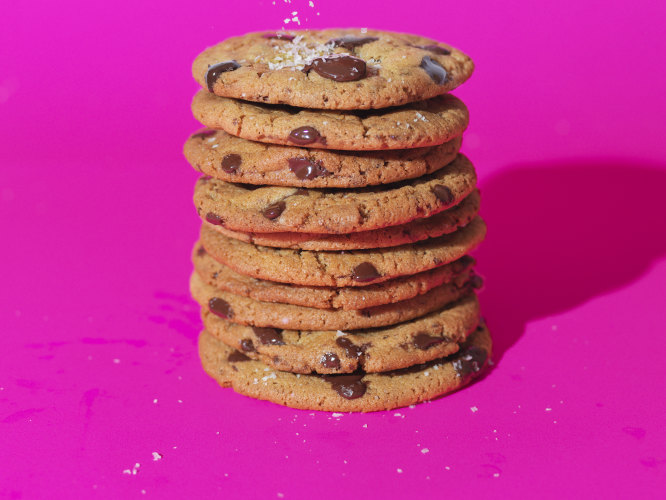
(98, 366)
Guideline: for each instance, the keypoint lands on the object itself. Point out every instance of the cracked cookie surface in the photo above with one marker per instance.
(360, 391)
(273, 209)
(416, 125)
(341, 269)
(331, 69)
(232, 159)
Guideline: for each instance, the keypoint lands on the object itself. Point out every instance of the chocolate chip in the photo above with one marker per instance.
(443, 194)
(340, 68)
(347, 386)
(476, 281)
(268, 336)
(434, 70)
(424, 341)
(351, 349)
(275, 210)
(306, 169)
(214, 218)
(201, 251)
(231, 163)
(203, 133)
(365, 272)
(470, 361)
(220, 307)
(247, 345)
(278, 36)
(237, 357)
(330, 360)
(214, 72)
(350, 42)
(304, 135)
(435, 49)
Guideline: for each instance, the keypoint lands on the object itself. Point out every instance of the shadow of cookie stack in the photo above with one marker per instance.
(337, 217)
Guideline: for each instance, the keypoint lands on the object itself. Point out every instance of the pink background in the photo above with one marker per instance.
(98, 367)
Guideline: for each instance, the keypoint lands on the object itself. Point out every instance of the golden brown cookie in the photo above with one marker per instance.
(332, 69)
(374, 350)
(341, 269)
(359, 391)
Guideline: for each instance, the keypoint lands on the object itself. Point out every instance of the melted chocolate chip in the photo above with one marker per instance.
(347, 386)
(214, 218)
(220, 307)
(435, 70)
(246, 345)
(231, 163)
(278, 36)
(443, 194)
(268, 336)
(424, 341)
(350, 42)
(306, 169)
(201, 251)
(476, 281)
(365, 272)
(435, 49)
(330, 360)
(340, 68)
(237, 357)
(470, 361)
(305, 135)
(275, 210)
(214, 72)
(351, 349)
(206, 132)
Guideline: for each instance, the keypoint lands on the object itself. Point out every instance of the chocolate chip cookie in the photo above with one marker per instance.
(359, 391)
(232, 159)
(331, 69)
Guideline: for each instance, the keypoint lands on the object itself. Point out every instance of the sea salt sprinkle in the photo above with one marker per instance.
(297, 54)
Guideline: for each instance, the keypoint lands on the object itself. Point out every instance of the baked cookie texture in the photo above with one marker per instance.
(331, 69)
(360, 391)
(232, 159)
(416, 125)
(333, 268)
(273, 209)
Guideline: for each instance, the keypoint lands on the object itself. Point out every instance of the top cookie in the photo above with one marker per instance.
(331, 69)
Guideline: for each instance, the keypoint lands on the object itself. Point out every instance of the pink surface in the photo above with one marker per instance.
(99, 367)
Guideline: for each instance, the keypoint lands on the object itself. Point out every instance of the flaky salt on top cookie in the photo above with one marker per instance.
(331, 69)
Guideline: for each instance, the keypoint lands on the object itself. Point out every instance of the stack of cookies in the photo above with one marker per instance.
(337, 217)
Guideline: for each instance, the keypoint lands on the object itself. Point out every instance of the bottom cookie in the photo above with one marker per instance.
(359, 392)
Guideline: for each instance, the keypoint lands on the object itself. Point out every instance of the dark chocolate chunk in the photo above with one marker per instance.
(350, 42)
(443, 194)
(365, 272)
(347, 386)
(214, 218)
(247, 345)
(435, 49)
(214, 72)
(201, 251)
(435, 70)
(470, 361)
(268, 336)
(203, 133)
(306, 169)
(339, 67)
(424, 341)
(275, 210)
(305, 135)
(351, 349)
(278, 36)
(236, 357)
(220, 307)
(330, 360)
(231, 163)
